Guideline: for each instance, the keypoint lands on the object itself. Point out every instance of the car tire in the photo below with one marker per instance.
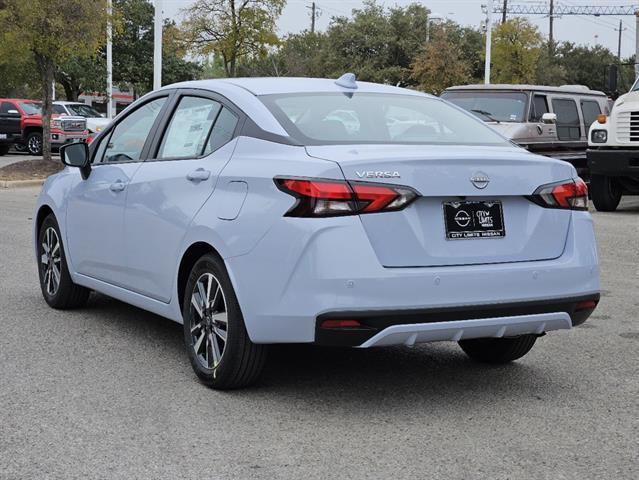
(20, 147)
(4, 149)
(219, 348)
(34, 143)
(498, 350)
(605, 193)
(58, 289)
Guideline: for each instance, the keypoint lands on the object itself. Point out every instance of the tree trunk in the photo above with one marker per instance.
(47, 76)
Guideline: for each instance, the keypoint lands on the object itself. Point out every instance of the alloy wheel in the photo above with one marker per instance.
(50, 258)
(35, 144)
(209, 321)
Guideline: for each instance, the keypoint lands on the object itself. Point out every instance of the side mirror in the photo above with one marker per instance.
(76, 155)
(549, 118)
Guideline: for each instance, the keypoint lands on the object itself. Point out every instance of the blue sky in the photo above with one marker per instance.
(582, 30)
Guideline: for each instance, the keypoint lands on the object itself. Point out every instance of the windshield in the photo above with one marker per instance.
(376, 118)
(491, 106)
(83, 110)
(31, 108)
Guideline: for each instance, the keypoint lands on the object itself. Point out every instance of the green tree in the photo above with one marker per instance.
(133, 48)
(378, 45)
(52, 32)
(440, 64)
(515, 51)
(82, 74)
(236, 30)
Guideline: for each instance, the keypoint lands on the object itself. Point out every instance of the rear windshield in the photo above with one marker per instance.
(491, 106)
(376, 118)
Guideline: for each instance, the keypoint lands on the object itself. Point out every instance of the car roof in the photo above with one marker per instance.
(27, 100)
(64, 102)
(570, 89)
(279, 85)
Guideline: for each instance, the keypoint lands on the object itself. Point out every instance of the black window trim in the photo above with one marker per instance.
(105, 135)
(532, 105)
(161, 128)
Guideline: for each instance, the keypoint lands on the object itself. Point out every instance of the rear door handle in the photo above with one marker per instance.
(117, 186)
(198, 175)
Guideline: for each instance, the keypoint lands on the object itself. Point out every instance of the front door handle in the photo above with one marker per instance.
(198, 175)
(117, 186)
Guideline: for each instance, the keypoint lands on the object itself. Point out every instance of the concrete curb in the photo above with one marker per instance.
(21, 183)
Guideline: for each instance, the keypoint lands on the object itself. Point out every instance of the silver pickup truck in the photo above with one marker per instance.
(551, 121)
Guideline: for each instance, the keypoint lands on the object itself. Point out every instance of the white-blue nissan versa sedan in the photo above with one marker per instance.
(295, 210)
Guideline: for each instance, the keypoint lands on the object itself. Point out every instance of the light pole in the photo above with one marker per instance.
(489, 38)
(109, 61)
(157, 46)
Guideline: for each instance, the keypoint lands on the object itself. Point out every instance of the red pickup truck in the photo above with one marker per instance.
(21, 124)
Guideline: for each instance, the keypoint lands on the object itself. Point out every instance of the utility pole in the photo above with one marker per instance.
(503, 14)
(109, 60)
(489, 39)
(621, 29)
(157, 46)
(637, 45)
(551, 18)
(313, 15)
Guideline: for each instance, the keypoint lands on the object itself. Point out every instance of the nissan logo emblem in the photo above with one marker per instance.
(480, 180)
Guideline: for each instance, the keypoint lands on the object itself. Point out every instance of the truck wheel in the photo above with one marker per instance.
(605, 193)
(34, 143)
(498, 350)
(20, 147)
(4, 149)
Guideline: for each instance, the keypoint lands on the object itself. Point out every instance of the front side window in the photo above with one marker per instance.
(31, 108)
(129, 135)
(568, 124)
(189, 129)
(590, 110)
(538, 108)
(376, 118)
(491, 106)
(59, 109)
(5, 107)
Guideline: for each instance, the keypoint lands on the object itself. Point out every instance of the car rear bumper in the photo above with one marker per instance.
(285, 286)
(614, 162)
(379, 328)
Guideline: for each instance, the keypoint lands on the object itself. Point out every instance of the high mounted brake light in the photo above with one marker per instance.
(570, 195)
(330, 198)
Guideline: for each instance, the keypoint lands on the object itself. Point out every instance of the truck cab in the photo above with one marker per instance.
(21, 125)
(613, 152)
(550, 121)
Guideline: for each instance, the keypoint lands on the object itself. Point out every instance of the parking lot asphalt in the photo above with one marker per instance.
(107, 392)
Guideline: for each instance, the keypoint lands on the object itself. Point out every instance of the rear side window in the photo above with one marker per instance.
(189, 129)
(568, 124)
(589, 110)
(538, 108)
(130, 134)
(222, 132)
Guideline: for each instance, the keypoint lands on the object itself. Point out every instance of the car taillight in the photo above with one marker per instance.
(570, 195)
(330, 198)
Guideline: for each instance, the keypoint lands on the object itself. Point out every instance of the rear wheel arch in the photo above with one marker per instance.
(189, 258)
